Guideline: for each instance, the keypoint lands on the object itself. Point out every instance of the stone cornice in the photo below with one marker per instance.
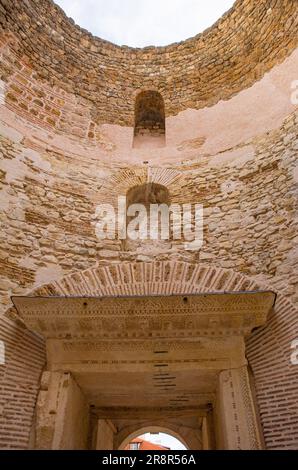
(177, 316)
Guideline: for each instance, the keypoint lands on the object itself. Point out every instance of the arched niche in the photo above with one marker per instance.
(150, 125)
(147, 194)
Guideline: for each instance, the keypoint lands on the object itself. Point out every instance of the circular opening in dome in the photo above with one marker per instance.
(141, 23)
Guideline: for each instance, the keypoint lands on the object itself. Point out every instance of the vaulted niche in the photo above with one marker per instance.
(146, 195)
(150, 126)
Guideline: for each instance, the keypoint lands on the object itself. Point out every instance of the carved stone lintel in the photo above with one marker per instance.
(156, 317)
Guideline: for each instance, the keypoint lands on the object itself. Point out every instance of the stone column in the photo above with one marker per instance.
(105, 435)
(62, 417)
(237, 422)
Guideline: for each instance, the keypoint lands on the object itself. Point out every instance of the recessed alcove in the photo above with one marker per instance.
(146, 194)
(150, 125)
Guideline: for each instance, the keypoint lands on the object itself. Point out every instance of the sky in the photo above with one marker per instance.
(140, 23)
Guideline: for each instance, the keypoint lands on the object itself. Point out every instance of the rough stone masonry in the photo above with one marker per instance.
(67, 128)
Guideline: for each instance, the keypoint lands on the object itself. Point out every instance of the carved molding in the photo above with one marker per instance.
(238, 414)
(130, 317)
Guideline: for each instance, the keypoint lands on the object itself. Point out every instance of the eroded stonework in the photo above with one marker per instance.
(67, 112)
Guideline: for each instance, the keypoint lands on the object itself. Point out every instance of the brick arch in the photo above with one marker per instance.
(268, 348)
(123, 180)
(164, 277)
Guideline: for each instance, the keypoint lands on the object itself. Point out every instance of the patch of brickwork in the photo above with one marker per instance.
(268, 352)
(19, 383)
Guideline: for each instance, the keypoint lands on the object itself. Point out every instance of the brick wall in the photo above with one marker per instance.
(269, 354)
(19, 383)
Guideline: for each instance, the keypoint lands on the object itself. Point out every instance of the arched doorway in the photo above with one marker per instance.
(130, 360)
(170, 278)
(153, 430)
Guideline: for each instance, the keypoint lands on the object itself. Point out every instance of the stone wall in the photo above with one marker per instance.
(232, 55)
(62, 88)
(48, 211)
